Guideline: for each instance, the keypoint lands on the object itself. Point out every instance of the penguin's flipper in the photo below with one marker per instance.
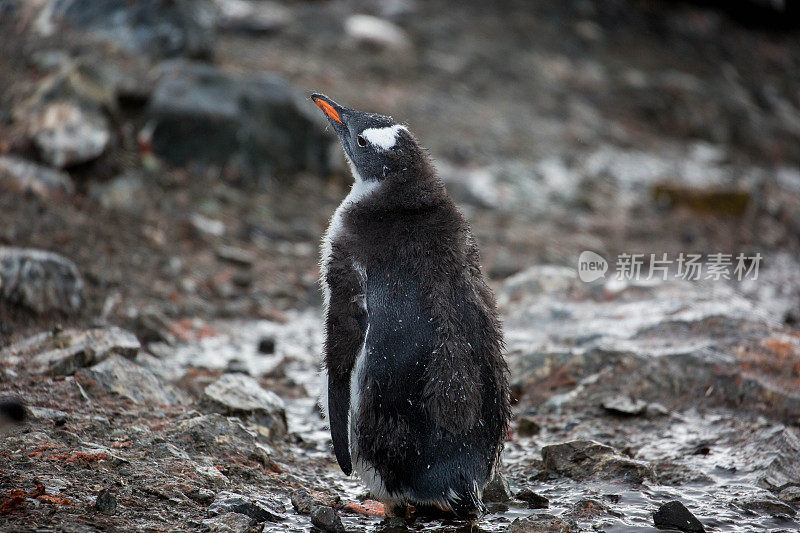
(338, 409)
(345, 329)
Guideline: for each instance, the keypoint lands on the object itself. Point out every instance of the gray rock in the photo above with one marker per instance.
(241, 395)
(763, 505)
(527, 426)
(624, 406)
(125, 378)
(123, 193)
(245, 16)
(259, 509)
(674, 515)
(255, 125)
(588, 509)
(20, 176)
(67, 134)
(327, 519)
(497, 490)
(784, 470)
(228, 523)
(582, 459)
(302, 501)
(41, 281)
(153, 326)
(541, 523)
(162, 28)
(215, 434)
(376, 32)
(236, 256)
(533, 499)
(106, 502)
(64, 352)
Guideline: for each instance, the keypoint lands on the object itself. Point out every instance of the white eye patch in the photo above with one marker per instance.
(383, 138)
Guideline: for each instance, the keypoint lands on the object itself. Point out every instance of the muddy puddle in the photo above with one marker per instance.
(716, 461)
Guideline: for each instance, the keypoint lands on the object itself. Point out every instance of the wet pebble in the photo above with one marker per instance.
(236, 256)
(327, 519)
(528, 427)
(302, 501)
(675, 515)
(624, 406)
(532, 499)
(106, 502)
(498, 490)
(766, 506)
(259, 509)
(228, 523)
(541, 523)
(201, 495)
(266, 345)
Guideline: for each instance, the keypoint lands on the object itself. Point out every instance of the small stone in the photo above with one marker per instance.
(207, 226)
(201, 495)
(528, 427)
(674, 515)
(20, 176)
(153, 326)
(229, 523)
(624, 406)
(541, 523)
(533, 499)
(327, 519)
(302, 501)
(376, 32)
(239, 394)
(497, 490)
(266, 345)
(41, 281)
(106, 502)
(123, 193)
(588, 508)
(67, 134)
(236, 256)
(259, 509)
(262, 17)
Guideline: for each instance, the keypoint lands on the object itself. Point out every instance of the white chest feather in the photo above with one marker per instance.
(360, 190)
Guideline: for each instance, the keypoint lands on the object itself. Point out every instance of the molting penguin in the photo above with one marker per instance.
(417, 388)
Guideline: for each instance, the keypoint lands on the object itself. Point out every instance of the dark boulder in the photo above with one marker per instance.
(253, 126)
(161, 28)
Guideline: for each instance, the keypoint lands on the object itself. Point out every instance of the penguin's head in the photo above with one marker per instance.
(376, 147)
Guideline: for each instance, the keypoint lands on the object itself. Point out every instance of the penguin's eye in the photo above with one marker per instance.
(361, 141)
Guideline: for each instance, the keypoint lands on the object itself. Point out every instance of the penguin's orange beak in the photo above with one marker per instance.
(326, 107)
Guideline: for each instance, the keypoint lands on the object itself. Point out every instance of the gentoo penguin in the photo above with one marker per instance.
(417, 387)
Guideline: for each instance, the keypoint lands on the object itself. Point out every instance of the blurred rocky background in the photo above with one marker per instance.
(164, 183)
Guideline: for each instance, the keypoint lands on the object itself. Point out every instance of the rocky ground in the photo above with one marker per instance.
(163, 187)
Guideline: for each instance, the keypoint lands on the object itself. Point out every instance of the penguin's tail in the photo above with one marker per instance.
(12, 410)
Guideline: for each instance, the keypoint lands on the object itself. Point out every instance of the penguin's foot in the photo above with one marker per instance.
(368, 508)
